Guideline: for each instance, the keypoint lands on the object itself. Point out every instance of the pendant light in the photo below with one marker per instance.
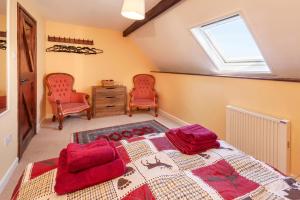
(134, 9)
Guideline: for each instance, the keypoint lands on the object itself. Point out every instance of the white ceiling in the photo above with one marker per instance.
(168, 42)
(2, 7)
(167, 39)
(96, 13)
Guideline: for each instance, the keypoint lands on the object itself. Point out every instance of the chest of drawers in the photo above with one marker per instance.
(109, 101)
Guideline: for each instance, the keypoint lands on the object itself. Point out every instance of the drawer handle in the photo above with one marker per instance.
(110, 88)
(110, 106)
(110, 97)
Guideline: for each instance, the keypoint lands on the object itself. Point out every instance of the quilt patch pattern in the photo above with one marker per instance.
(156, 170)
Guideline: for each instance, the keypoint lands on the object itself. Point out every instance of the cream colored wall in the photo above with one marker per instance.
(121, 59)
(199, 99)
(2, 60)
(8, 122)
(167, 39)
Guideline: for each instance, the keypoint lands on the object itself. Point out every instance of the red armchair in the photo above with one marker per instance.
(63, 99)
(2, 103)
(143, 95)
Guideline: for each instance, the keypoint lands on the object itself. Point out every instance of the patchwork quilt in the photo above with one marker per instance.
(156, 170)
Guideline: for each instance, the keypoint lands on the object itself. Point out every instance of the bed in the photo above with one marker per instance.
(156, 170)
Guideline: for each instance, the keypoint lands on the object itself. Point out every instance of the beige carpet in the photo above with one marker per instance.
(49, 141)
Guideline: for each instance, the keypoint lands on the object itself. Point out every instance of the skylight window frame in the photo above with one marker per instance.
(256, 66)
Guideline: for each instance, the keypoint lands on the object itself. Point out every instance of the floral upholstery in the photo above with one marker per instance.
(143, 95)
(63, 99)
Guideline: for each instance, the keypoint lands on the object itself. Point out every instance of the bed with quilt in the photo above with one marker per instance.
(155, 169)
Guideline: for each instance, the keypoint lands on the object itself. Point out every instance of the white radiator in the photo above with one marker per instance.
(263, 137)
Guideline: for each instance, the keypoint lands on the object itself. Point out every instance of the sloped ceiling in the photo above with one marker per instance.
(167, 40)
(96, 13)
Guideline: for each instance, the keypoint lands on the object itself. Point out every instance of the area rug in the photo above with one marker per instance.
(121, 132)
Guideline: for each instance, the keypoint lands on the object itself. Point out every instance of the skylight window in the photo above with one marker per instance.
(231, 46)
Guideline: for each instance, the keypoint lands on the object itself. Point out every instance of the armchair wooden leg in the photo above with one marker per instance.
(53, 118)
(129, 111)
(60, 120)
(156, 111)
(89, 114)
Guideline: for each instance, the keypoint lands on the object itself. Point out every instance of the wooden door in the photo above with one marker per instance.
(26, 78)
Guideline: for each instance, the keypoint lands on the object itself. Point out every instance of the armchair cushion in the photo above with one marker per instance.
(143, 102)
(69, 108)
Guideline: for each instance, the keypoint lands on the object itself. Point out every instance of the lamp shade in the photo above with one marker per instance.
(134, 9)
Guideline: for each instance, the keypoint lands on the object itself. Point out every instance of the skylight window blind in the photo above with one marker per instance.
(231, 46)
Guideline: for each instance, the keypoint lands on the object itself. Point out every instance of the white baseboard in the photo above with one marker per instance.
(38, 127)
(39, 124)
(48, 116)
(8, 174)
(172, 117)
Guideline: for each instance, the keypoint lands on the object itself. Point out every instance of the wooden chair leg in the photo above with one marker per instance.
(53, 118)
(156, 111)
(60, 120)
(60, 126)
(89, 114)
(129, 111)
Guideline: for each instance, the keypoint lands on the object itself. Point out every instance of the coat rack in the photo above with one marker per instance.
(73, 49)
(2, 44)
(70, 40)
(2, 34)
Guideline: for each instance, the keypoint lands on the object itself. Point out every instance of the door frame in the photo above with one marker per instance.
(20, 8)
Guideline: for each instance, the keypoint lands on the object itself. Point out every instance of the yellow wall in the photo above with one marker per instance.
(200, 99)
(8, 121)
(2, 60)
(120, 61)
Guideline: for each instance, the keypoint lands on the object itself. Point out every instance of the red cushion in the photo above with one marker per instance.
(143, 102)
(68, 108)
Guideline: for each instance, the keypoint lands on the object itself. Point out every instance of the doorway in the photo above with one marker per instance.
(27, 42)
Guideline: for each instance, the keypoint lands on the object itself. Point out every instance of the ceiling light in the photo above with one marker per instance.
(134, 9)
